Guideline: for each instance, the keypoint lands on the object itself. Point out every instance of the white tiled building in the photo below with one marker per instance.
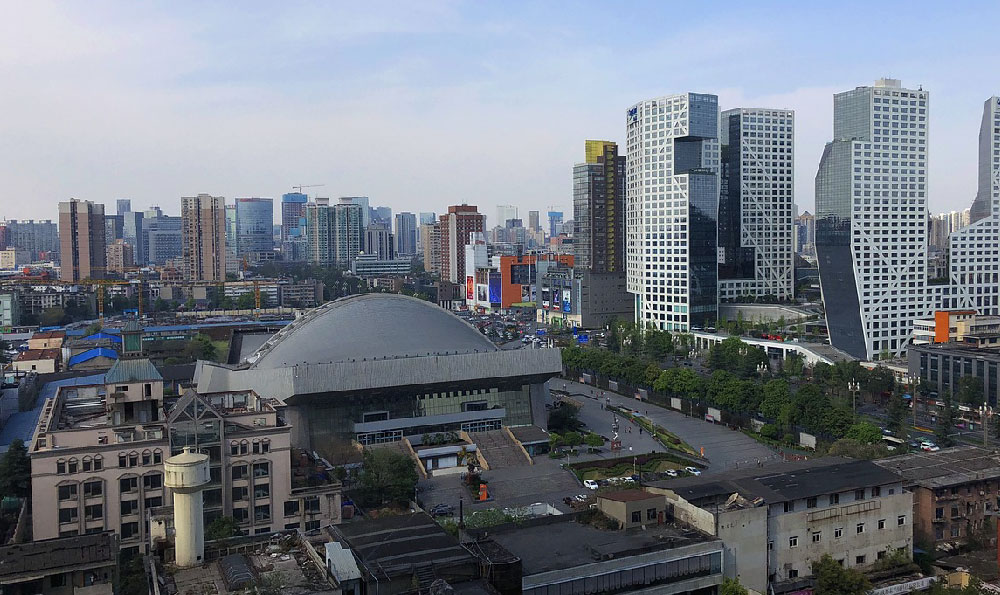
(672, 194)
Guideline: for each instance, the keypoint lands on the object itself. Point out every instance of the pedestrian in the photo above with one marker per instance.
(640, 430)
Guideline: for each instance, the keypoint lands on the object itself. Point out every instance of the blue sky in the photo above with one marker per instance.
(423, 104)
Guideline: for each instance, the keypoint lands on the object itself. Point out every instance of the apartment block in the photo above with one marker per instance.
(204, 237)
(82, 250)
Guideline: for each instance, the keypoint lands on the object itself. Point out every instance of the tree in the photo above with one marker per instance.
(970, 390)
(160, 305)
(945, 422)
(15, 471)
(593, 441)
(731, 586)
(775, 397)
(387, 476)
(564, 419)
(572, 439)
(897, 413)
(652, 373)
(189, 304)
(864, 432)
(246, 301)
(846, 447)
(201, 348)
(223, 527)
(55, 316)
(833, 579)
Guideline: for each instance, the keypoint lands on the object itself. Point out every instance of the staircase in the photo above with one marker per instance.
(425, 576)
(499, 449)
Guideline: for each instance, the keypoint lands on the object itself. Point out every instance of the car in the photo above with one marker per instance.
(581, 497)
(929, 447)
(672, 472)
(626, 480)
(442, 510)
(693, 470)
(590, 484)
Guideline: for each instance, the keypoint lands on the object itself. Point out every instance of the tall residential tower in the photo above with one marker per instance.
(672, 201)
(83, 252)
(203, 225)
(599, 209)
(871, 218)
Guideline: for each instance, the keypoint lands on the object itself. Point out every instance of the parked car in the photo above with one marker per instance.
(693, 470)
(581, 497)
(442, 510)
(928, 446)
(590, 484)
(672, 472)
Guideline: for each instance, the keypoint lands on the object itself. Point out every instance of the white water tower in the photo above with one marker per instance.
(186, 474)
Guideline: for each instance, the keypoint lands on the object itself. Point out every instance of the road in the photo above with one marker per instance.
(724, 448)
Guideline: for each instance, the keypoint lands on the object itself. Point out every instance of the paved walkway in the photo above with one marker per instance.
(724, 448)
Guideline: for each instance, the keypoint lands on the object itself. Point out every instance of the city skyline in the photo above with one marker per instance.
(135, 117)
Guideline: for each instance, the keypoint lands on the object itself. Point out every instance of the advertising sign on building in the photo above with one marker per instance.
(470, 287)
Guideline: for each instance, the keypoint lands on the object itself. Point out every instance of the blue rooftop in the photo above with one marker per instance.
(22, 425)
(91, 354)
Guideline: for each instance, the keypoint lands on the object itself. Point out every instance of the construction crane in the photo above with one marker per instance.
(301, 186)
(97, 284)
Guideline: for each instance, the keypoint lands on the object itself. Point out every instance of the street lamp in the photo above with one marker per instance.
(855, 387)
(985, 412)
(912, 382)
(762, 369)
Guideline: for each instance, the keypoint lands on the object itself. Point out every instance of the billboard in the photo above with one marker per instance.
(495, 289)
(470, 287)
(482, 293)
(566, 301)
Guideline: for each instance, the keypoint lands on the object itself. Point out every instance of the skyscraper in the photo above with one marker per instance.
(504, 214)
(162, 238)
(124, 205)
(406, 234)
(317, 231)
(254, 225)
(204, 237)
(346, 231)
(555, 223)
(133, 234)
(428, 218)
(974, 263)
(83, 253)
(456, 226)
(871, 218)
(672, 201)
(756, 204)
(430, 242)
(379, 241)
(805, 234)
(599, 209)
(533, 221)
(233, 263)
(361, 201)
(293, 212)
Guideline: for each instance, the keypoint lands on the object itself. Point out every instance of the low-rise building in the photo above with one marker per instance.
(42, 361)
(777, 520)
(12, 258)
(634, 508)
(10, 310)
(940, 366)
(78, 565)
(955, 491)
(950, 326)
(371, 265)
(47, 340)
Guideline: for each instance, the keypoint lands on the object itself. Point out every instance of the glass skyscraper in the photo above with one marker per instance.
(254, 225)
(599, 209)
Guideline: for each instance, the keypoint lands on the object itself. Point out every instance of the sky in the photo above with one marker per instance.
(419, 105)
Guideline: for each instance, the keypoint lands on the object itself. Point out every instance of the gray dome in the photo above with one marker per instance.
(370, 326)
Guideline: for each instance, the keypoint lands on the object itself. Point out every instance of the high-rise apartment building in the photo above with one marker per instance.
(317, 231)
(113, 228)
(430, 242)
(599, 209)
(974, 251)
(504, 214)
(455, 228)
(120, 257)
(254, 225)
(379, 241)
(162, 238)
(41, 238)
(756, 204)
(124, 205)
(333, 232)
(83, 253)
(381, 215)
(672, 200)
(406, 234)
(555, 223)
(293, 212)
(871, 218)
(232, 241)
(204, 237)
(361, 201)
(533, 221)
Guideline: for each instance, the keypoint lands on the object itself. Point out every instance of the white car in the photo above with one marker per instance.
(590, 484)
(929, 447)
(672, 472)
(693, 470)
(581, 497)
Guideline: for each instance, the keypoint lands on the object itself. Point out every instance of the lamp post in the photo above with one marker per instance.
(985, 412)
(762, 369)
(855, 387)
(912, 382)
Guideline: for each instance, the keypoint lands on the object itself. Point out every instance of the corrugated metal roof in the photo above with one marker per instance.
(132, 370)
(103, 335)
(91, 354)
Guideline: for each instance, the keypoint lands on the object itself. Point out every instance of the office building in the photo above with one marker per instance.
(871, 219)
(428, 218)
(233, 263)
(13, 258)
(555, 223)
(114, 227)
(974, 251)
(254, 226)
(938, 230)
(123, 205)
(83, 253)
(361, 201)
(406, 234)
(40, 238)
(293, 212)
(672, 201)
(204, 237)
(430, 242)
(599, 209)
(371, 265)
(756, 205)
(504, 214)
(777, 520)
(120, 258)
(533, 224)
(132, 233)
(456, 226)
(379, 241)
(162, 238)
(381, 215)
(93, 471)
(805, 235)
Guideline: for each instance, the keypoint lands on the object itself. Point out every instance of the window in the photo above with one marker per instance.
(860, 528)
(876, 491)
(261, 530)
(291, 507)
(157, 456)
(67, 515)
(859, 494)
(260, 470)
(234, 448)
(93, 512)
(311, 525)
(810, 502)
(901, 520)
(57, 580)
(838, 532)
(240, 514)
(130, 507)
(881, 524)
(129, 530)
(239, 471)
(92, 489)
(636, 516)
(770, 545)
(312, 504)
(122, 460)
(650, 514)
(128, 484)
(67, 492)
(60, 467)
(859, 559)
(262, 512)
(88, 464)
(153, 481)
(265, 445)
(239, 494)
(133, 459)
(98, 463)
(880, 555)
(793, 573)
(147, 457)
(789, 506)
(793, 541)
(244, 447)
(939, 512)
(817, 536)
(262, 491)
(154, 502)
(256, 447)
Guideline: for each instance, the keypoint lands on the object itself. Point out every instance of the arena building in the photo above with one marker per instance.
(374, 368)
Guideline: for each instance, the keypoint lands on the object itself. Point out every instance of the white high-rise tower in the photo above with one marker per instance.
(871, 218)
(186, 475)
(671, 210)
